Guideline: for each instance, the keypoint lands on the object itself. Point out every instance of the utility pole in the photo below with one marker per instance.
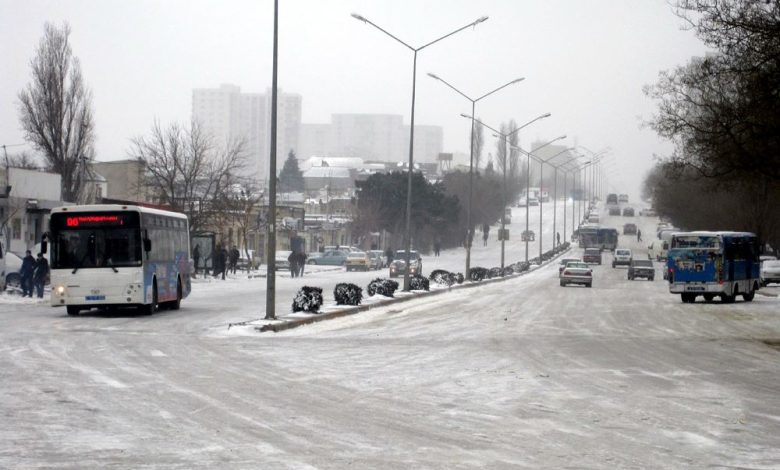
(270, 296)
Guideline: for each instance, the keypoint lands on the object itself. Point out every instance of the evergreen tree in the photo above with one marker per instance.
(291, 177)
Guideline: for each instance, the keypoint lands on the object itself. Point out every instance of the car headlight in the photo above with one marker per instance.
(59, 290)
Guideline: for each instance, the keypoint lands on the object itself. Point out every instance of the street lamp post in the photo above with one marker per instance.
(506, 141)
(555, 189)
(408, 233)
(541, 182)
(471, 158)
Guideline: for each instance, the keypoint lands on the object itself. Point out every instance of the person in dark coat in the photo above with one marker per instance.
(219, 261)
(389, 255)
(234, 255)
(196, 256)
(301, 263)
(39, 274)
(223, 258)
(293, 260)
(26, 273)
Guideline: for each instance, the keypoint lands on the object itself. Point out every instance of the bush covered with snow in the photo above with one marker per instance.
(385, 287)
(508, 270)
(494, 272)
(477, 274)
(308, 299)
(348, 294)
(418, 282)
(442, 277)
(457, 277)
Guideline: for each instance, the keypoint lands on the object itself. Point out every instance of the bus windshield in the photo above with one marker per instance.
(696, 241)
(101, 240)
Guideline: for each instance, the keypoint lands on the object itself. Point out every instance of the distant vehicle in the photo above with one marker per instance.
(358, 261)
(281, 260)
(533, 201)
(623, 198)
(544, 196)
(313, 256)
(377, 258)
(628, 212)
(710, 264)
(522, 202)
(528, 236)
(577, 272)
(108, 255)
(770, 272)
(614, 210)
(641, 268)
(658, 250)
(564, 262)
(593, 218)
(595, 236)
(629, 229)
(612, 199)
(622, 257)
(331, 258)
(648, 213)
(13, 264)
(398, 266)
(592, 255)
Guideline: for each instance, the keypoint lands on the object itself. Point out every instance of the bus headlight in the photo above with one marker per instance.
(59, 290)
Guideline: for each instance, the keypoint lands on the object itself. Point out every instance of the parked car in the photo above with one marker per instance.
(358, 261)
(628, 212)
(614, 210)
(648, 213)
(332, 258)
(533, 201)
(564, 262)
(281, 259)
(592, 255)
(770, 271)
(593, 219)
(577, 272)
(629, 229)
(398, 266)
(313, 256)
(622, 257)
(13, 264)
(623, 198)
(377, 258)
(657, 250)
(641, 268)
(528, 236)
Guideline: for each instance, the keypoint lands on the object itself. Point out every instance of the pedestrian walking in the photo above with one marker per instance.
(293, 260)
(26, 273)
(301, 263)
(40, 274)
(234, 255)
(436, 246)
(639, 235)
(389, 255)
(196, 256)
(558, 237)
(219, 261)
(485, 234)
(223, 258)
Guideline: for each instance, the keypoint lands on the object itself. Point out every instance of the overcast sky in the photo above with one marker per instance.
(583, 61)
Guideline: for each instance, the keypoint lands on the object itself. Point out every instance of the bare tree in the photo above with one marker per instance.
(187, 171)
(56, 111)
(23, 160)
(501, 154)
(479, 143)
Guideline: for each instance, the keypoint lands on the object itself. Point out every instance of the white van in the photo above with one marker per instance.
(658, 250)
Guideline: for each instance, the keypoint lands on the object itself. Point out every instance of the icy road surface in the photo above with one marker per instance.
(516, 374)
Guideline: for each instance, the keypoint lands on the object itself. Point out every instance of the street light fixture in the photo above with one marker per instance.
(408, 232)
(555, 193)
(506, 142)
(471, 158)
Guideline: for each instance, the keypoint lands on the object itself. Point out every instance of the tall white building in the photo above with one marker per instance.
(382, 137)
(228, 114)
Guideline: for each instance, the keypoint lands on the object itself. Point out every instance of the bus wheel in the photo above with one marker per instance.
(149, 309)
(176, 304)
(727, 299)
(709, 297)
(73, 310)
(749, 297)
(688, 298)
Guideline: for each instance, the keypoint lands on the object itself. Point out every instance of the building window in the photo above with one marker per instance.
(16, 228)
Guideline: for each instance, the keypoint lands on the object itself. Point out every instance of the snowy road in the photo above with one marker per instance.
(521, 373)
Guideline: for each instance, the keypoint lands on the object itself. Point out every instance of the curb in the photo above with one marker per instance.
(294, 323)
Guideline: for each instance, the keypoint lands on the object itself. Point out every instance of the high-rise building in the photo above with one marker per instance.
(379, 137)
(228, 114)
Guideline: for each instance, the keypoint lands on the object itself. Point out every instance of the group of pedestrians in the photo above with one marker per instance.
(33, 273)
(224, 261)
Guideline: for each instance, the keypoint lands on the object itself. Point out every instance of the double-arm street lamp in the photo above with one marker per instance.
(471, 157)
(415, 50)
(505, 138)
(555, 193)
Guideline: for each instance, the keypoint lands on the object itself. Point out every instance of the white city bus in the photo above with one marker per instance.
(118, 256)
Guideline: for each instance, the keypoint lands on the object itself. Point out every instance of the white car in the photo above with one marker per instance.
(770, 272)
(622, 257)
(13, 264)
(577, 272)
(657, 250)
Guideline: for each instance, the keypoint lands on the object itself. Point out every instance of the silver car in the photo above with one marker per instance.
(577, 272)
(770, 272)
